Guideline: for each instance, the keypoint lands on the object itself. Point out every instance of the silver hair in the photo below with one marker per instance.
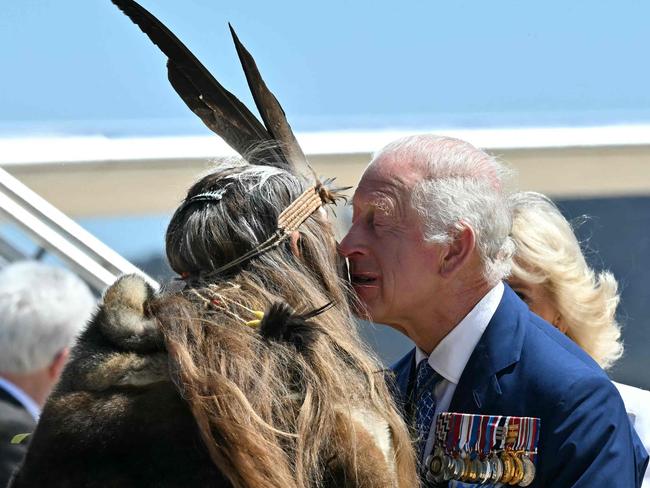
(461, 186)
(42, 309)
(204, 235)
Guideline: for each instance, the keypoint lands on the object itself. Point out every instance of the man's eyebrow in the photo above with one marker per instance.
(366, 200)
(386, 200)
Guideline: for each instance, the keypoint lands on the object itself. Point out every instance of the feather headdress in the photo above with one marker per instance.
(228, 117)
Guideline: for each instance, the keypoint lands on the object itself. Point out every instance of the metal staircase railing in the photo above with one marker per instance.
(54, 231)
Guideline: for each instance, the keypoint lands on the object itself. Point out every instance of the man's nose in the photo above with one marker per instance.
(351, 244)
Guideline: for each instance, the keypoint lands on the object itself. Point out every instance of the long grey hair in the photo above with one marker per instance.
(276, 409)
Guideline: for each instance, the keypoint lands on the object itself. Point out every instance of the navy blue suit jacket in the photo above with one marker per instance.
(14, 419)
(523, 366)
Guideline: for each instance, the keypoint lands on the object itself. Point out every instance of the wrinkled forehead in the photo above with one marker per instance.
(390, 178)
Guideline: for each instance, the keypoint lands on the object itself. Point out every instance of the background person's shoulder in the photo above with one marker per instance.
(556, 369)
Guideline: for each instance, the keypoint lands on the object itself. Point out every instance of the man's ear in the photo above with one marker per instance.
(55, 368)
(458, 251)
(295, 240)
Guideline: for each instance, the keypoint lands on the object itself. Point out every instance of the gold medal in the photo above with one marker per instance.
(435, 464)
(518, 475)
(508, 467)
(473, 468)
(529, 471)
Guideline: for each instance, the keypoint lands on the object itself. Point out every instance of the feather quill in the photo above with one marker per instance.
(219, 109)
(269, 108)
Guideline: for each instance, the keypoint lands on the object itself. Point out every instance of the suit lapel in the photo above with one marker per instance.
(499, 347)
(401, 383)
(403, 371)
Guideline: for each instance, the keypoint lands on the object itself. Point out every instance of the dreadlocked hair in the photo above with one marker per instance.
(275, 407)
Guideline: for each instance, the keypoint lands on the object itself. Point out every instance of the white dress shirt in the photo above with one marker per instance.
(451, 355)
(21, 397)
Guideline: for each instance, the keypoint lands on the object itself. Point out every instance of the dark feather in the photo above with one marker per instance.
(219, 109)
(318, 311)
(270, 109)
(281, 323)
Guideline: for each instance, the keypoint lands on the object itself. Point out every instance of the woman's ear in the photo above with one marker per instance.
(295, 243)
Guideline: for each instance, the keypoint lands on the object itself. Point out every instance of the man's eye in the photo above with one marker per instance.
(381, 216)
(370, 218)
(379, 221)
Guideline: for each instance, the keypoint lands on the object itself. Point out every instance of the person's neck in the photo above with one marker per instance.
(432, 324)
(35, 384)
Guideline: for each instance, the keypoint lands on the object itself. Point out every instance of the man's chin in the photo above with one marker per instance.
(367, 306)
(366, 293)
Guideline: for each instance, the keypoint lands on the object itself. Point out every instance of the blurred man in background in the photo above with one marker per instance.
(42, 308)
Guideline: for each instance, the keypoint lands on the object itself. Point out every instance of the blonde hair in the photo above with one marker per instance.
(548, 253)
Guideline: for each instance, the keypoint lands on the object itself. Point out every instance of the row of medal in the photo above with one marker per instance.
(484, 449)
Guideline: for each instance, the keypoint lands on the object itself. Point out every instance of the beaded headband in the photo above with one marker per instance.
(229, 118)
(288, 221)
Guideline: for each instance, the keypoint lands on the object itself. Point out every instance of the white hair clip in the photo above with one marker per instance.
(209, 196)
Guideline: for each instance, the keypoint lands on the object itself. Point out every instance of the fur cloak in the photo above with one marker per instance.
(116, 419)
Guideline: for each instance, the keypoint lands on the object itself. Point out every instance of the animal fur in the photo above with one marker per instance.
(282, 324)
(117, 419)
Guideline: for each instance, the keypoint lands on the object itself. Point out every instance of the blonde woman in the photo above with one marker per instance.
(551, 275)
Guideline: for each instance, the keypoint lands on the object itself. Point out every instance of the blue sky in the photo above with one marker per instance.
(81, 66)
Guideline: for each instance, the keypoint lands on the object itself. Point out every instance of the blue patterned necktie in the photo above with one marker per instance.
(425, 402)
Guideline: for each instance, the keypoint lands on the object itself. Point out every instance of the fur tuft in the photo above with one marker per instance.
(281, 323)
(126, 321)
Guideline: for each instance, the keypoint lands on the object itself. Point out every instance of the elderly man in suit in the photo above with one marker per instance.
(42, 308)
(428, 249)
